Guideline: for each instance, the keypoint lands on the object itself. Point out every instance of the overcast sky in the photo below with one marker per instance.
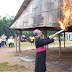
(10, 7)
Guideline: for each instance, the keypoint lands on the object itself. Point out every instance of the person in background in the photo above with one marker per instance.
(0, 41)
(31, 40)
(10, 42)
(4, 40)
(40, 62)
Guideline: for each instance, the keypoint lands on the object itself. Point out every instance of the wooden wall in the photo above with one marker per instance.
(39, 13)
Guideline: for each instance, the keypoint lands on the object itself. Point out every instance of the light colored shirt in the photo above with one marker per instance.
(12, 40)
(0, 40)
(3, 38)
(9, 40)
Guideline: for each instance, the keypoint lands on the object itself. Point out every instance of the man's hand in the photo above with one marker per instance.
(55, 38)
(51, 36)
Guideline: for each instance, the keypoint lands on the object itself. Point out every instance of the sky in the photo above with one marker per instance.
(9, 7)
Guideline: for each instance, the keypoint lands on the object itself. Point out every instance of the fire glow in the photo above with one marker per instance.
(67, 15)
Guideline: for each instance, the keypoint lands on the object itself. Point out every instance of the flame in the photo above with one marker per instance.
(67, 15)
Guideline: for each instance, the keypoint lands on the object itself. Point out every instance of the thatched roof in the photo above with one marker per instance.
(23, 6)
(40, 14)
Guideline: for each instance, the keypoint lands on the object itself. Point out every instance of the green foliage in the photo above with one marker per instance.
(61, 38)
(4, 24)
(51, 33)
(27, 33)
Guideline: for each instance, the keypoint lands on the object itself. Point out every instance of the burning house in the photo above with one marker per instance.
(41, 14)
(38, 14)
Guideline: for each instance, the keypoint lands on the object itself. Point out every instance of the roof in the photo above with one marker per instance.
(42, 20)
(23, 6)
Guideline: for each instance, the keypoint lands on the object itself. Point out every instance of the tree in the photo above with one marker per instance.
(4, 24)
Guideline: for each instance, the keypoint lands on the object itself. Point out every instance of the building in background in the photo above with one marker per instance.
(68, 35)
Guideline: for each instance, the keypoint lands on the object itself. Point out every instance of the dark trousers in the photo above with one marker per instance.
(3, 42)
(11, 44)
(0, 44)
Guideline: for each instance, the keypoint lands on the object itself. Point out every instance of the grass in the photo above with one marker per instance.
(23, 44)
(54, 70)
(27, 44)
(6, 67)
(55, 43)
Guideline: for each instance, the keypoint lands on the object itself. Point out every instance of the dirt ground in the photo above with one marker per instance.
(53, 62)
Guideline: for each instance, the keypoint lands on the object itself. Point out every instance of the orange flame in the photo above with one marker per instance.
(67, 15)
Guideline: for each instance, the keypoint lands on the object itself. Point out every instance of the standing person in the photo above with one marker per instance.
(40, 63)
(31, 40)
(12, 42)
(4, 40)
(0, 41)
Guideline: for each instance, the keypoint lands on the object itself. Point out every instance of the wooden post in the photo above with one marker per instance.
(64, 39)
(20, 40)
(59, 45)
(16, 39)
(44, 36)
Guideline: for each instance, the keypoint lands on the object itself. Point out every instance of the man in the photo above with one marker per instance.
(40, 62)
(4, 39)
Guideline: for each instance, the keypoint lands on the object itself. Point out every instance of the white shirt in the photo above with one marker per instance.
(9, 40)
(12, 40)
(3, 38)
